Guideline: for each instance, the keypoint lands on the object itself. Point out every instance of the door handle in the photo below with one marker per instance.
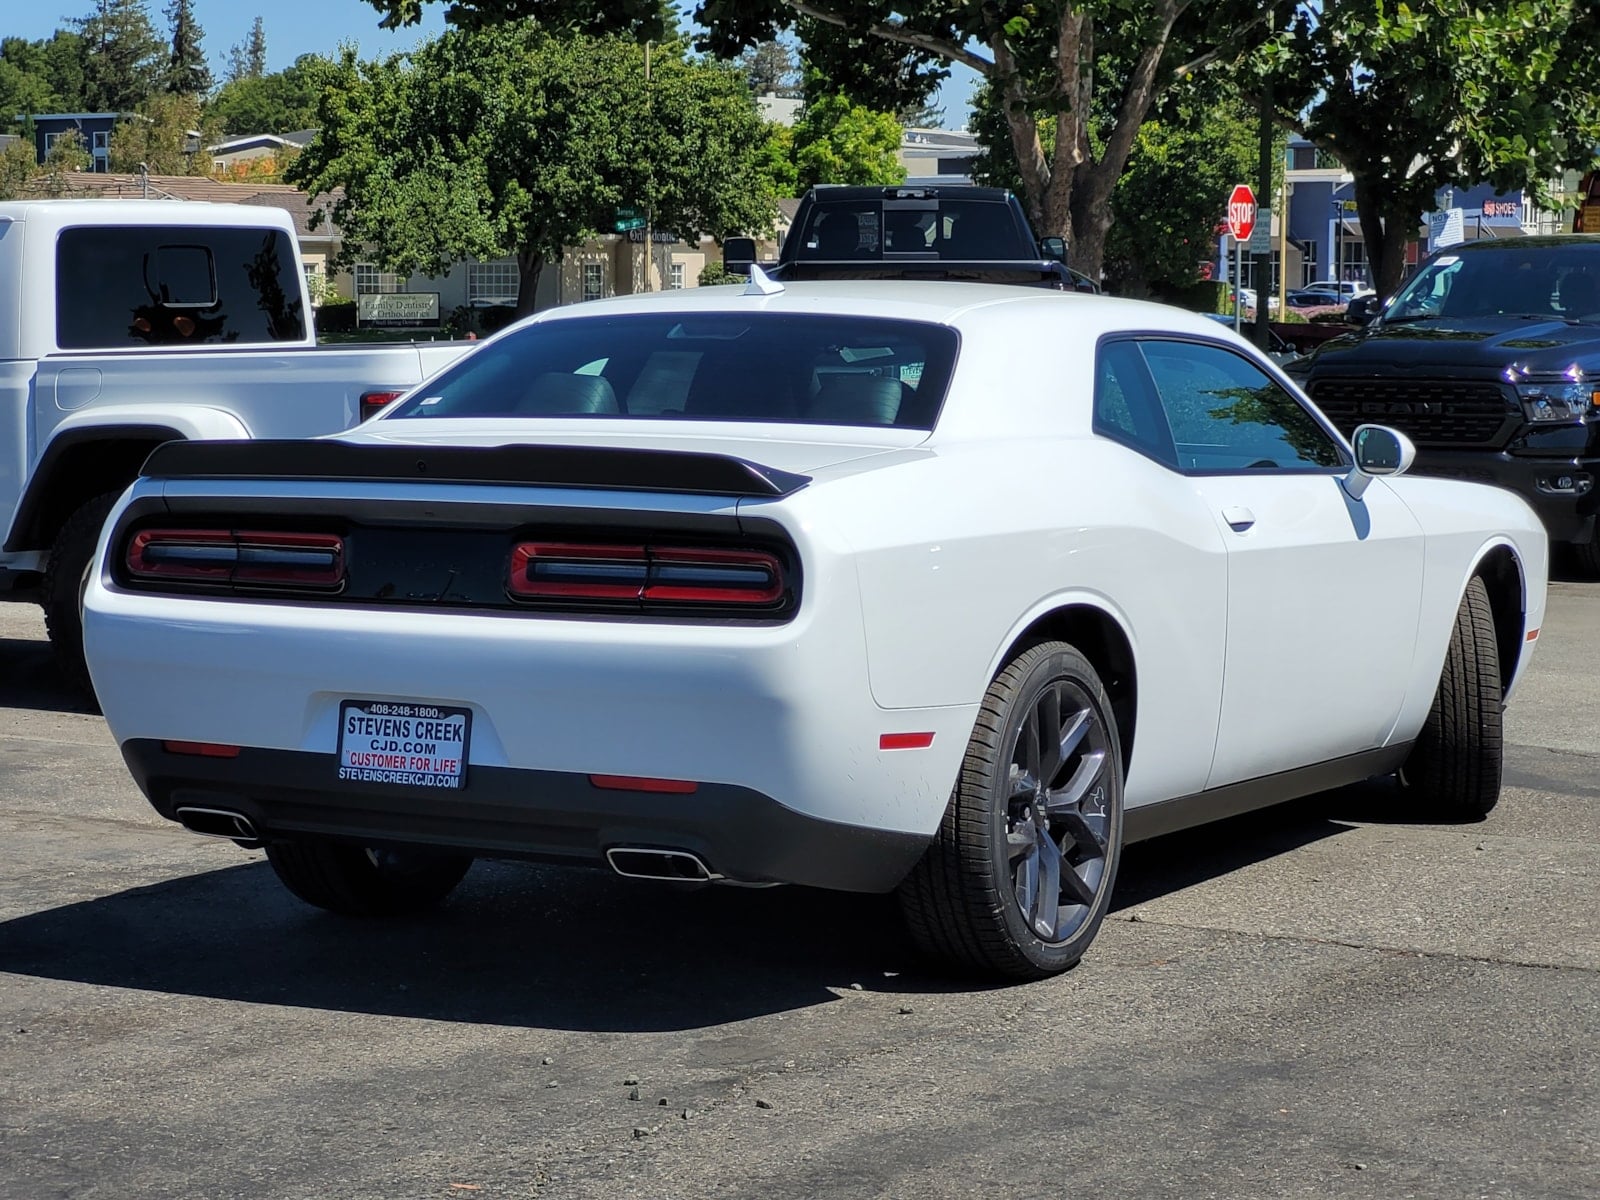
(1238, 517)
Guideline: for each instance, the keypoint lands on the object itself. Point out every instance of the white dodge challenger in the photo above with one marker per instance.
(948, 589)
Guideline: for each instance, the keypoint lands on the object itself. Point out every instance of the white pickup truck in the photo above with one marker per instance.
(128, 323)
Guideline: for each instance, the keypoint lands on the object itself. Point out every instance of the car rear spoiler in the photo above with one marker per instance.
(1040, 273)
(606, 467)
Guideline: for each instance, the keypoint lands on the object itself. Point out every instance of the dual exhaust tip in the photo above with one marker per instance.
(220, 822)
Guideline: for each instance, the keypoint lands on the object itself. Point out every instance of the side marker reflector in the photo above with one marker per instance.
(905, 741)
(1533, 635)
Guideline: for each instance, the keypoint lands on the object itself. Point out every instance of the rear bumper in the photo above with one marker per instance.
(510, 813)
(1567, 516)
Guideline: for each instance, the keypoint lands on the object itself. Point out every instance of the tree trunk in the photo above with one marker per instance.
(1385, 230)
(1091, 216)
(530, 264)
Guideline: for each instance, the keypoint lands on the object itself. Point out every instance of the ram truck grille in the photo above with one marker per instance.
(1431, 412)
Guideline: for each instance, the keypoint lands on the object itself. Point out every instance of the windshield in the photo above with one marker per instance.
(709, 367)
(953, 230)
(1550, 281)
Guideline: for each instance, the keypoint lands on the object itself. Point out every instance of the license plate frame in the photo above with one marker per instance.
(403, 743)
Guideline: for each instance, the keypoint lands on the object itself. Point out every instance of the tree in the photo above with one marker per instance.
(877, 74)
(161, 137)
(1166, 205)
(248, 59)
(42, 76)
(123, 59)
(187, 72)
(770, 67)
(18, 165)
(65, 159)
(508, 141)
(1096, 66)
(280, 102)
(836, 141)
(1441, 93)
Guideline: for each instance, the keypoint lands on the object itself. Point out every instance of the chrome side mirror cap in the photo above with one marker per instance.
(1379, 451)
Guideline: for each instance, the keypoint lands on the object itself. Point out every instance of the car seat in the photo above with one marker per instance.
(856, 400)
(556, 393)
(1578, 293)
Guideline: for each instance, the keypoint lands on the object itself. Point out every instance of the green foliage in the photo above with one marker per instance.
(642, 20)
(770, 66)
(123, 59)
(281, 102)
(187, 73)
(715, 273)
(774, 160)
(507, 141)
(157, 136)
(836, 141)
(1413, 98)
(18, 165)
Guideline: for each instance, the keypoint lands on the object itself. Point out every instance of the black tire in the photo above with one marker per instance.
(1454, 768)
(358, 881)
(964, 901)
(64, 577)
(1586, 556)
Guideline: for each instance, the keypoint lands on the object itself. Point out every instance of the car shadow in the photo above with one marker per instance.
(554, 947)
(29, 678)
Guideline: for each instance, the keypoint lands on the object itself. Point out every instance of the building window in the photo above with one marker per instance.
(1308, 264)
(371, 281)
(594, 281)
(102, 140)
(675, 278)
(50, 141)
(492, 282)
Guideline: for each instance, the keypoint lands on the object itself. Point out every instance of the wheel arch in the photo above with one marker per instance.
(1102, 638)
(76, 466)
(1501, 570)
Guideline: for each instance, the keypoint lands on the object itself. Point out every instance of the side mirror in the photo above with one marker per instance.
(1053, 248)
(1379, 451)
(1362, 310)
(738, 255)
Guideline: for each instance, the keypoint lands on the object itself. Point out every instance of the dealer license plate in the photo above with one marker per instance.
(409, 744)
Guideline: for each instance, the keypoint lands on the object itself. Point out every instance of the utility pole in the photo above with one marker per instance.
(1263, 262)
(649, 181)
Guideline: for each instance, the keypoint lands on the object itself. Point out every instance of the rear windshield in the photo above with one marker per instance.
(954, 230)
(714, 367)
(158, 285)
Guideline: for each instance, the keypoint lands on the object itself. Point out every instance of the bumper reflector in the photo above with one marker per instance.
(639, 783)
(1533, 635)
(202, 749)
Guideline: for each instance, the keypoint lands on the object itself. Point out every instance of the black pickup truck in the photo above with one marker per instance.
(952, 232)
(1489, 360)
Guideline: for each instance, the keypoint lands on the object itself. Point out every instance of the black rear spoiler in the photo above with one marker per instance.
(606, 467)
(1041, 272)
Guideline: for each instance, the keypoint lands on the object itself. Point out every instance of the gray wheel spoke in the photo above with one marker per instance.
(1047, 900)
(1029, 750)
(1073, 733)
(1091, 841)
(1070, 795)
(1075, 888)
(1048, 733)
(1021, 839)
(1027, 881)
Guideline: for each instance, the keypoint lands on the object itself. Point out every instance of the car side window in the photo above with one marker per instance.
(1125, 405)
(1226, 414)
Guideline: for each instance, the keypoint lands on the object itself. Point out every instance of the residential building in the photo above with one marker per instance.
(933, 157)
(257, 146)
(93, 128)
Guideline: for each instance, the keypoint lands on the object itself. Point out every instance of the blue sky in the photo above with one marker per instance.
(296, 27)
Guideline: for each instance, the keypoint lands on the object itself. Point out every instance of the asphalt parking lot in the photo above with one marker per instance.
(1315, 1001)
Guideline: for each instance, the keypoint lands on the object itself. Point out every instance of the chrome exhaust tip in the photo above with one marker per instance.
(218, 822)
(676, 866)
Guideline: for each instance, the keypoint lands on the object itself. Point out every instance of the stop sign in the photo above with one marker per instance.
(1241, 212)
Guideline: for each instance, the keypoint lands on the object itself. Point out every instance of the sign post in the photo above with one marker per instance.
(1241, 222)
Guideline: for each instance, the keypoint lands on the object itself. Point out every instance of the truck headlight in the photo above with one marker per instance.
(1558, 400)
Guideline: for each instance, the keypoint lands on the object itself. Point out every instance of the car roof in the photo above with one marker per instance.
(962, 305)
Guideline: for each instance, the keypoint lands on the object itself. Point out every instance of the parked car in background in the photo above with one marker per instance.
(942, 588)
(128, 323)
(1317, 298)
(1489, 360)
(1347, 288)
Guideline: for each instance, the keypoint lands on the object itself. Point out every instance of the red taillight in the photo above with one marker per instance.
(375, 402)
(647, 574)
(232, 557)
(904, 741)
